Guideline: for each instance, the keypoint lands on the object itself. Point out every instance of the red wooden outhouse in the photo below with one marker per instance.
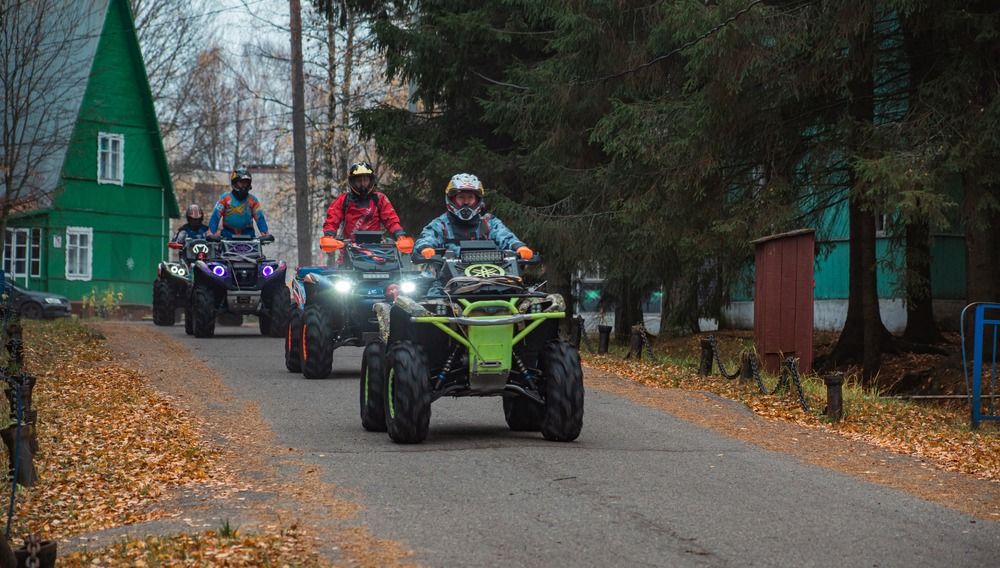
(783, 298)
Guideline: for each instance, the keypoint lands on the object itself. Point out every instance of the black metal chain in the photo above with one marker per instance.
(34, 547)
(646, 344)
(718, 359)
(789, 376)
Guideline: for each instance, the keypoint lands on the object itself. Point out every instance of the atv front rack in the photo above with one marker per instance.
(444, 322)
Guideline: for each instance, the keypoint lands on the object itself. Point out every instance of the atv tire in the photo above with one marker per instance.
(164, 304)
(563, 418)
(293, 343)
(281, 309)
(203, 310)
(188, 321)
(523, 414)
(372, 389)
(407, 394)
(317, 343)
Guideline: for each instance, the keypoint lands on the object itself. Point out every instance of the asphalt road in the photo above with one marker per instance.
(638, 488)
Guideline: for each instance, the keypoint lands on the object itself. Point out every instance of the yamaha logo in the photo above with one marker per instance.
(200, 248)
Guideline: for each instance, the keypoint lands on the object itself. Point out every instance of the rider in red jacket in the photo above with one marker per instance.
(362, 209)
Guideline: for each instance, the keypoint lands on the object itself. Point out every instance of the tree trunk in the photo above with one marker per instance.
(850, 345)
(980, 249)
(345, 98)
(628, 312)
(920, 324)
(331, 105)
(873, 328)
(303, 225)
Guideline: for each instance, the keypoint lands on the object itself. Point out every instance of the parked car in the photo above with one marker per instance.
(33, 304)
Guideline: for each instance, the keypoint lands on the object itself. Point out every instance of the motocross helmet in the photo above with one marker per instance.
(240, 181)
(194, 216)
(465, 183)
(361, 178)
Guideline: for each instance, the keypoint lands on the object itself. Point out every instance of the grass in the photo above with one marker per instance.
(938, 432)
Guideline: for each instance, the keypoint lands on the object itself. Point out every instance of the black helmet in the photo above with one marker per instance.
(241, 191)
(194, 216)
(356, 173)
(462, 183)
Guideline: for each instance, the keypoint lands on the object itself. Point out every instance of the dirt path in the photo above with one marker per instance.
(277, 489)
(962, 492)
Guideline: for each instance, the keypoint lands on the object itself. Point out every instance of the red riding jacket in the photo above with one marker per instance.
(370, 214)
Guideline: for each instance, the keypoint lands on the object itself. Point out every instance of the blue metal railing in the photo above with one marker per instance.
(986, 328)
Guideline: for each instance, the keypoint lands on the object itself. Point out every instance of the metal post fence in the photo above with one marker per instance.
(986, 328)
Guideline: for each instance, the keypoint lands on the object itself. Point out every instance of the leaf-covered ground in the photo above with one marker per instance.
(938, 433)
(111, 448)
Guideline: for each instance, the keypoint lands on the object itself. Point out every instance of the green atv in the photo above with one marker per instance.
(479, 331)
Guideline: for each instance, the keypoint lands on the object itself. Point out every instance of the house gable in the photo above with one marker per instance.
(117, 105)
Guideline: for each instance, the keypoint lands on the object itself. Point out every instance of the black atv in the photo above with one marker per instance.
(172, 287)
(236, 279)
(334, 303)
(479, 331)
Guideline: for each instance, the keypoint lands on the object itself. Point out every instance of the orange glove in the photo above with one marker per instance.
(427, 252)
(405, 244)
(330, 244)
(525, 252)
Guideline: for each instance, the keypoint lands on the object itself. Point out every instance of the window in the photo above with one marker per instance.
(22, 253)
(881, 224)
(110, 158)
(79, 252)
(35, 256)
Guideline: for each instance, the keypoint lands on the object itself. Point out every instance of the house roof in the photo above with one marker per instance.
(70, 31)
(51, 80)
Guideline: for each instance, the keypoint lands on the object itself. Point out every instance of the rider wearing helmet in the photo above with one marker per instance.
(362, 208)
(194, 228)
(466, 219)
(236, 211)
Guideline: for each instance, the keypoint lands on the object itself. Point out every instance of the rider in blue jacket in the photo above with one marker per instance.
(467, 219)
(194, 228)
(237, 211)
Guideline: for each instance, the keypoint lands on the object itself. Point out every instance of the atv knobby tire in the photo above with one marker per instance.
(563, 418)
(293, 343)
(203, 310)
(372, 389)
(523, 414)
(164, 304)
(407, 394)
(188, 321)
(317, 343)
(280, 307)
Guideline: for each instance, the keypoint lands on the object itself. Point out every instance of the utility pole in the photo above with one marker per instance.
(302, 222)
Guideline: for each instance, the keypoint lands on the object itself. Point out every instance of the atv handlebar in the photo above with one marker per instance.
(440, 257)
(264, 239)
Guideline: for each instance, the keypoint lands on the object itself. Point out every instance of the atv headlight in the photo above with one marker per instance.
(181, 272)
(173, 268)
(407, 287)
(343, 286)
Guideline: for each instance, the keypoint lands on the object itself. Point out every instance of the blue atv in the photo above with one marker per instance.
(333, 305)
(234, 278)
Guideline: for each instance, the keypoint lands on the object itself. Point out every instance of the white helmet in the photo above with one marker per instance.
(461, 183)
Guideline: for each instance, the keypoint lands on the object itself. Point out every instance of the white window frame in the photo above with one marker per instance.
(119, 175)
(74, 248)
(882, 221)
(17, 237)
(35, 252)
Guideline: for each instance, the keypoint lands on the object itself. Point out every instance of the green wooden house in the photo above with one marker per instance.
(103, 224)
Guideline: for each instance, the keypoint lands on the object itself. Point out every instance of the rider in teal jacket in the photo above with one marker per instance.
(466, 219)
